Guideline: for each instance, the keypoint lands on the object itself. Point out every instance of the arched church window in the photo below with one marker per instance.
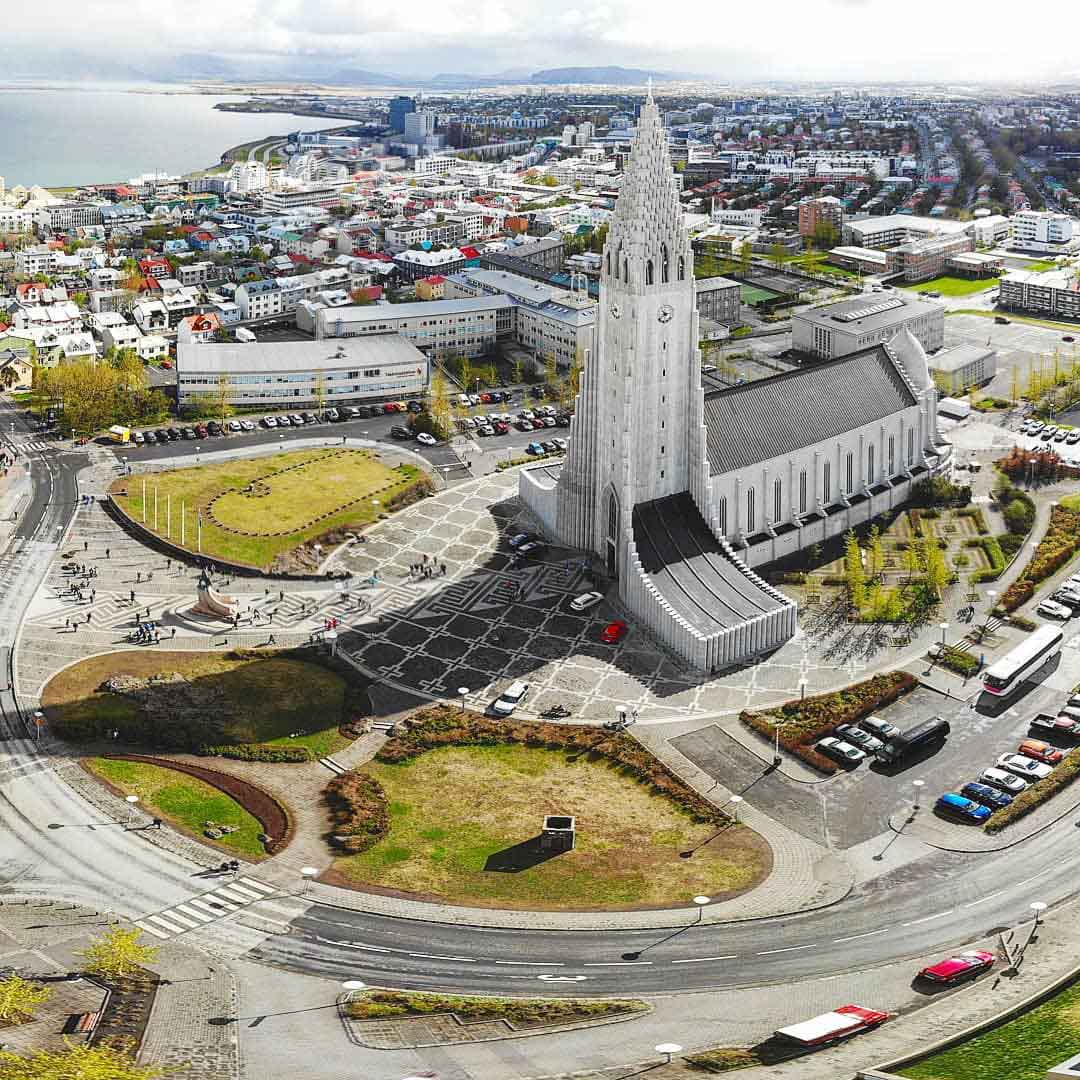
(778, 500)
(870, 465)
(802, 492)
(613, 517)
(892, 454)
(682, 268)
(722, 515)
(826, 483)
(751, 520)
(608, 258)
(648, 272)
(663, 263)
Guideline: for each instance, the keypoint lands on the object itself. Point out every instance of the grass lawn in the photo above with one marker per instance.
(279, 511)
(1022, 1049)
(817, 262)
(267, 699)
(182, 799)
(753, 294)
(954, 286)
(454, 807)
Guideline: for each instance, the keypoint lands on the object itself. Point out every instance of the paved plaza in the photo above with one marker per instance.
(486, 620)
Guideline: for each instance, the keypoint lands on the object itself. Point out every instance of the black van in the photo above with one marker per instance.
(934, 730)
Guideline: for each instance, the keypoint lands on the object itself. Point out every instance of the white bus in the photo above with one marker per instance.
(1005, 676)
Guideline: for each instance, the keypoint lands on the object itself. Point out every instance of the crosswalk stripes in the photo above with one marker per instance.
(33, 446)
(200, 910)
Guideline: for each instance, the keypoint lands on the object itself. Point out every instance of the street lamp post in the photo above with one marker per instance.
(802, 689)
(918, 786)
(620, 714)
(351, 987)
(992, 603)
(669, 1049)
(132, 801)
(464, 692)
(735, 800)
(1037, 908)
(944, 628)
(776, 759)
(308, 873)
(702, 902)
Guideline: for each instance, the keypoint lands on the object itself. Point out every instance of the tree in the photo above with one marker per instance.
(875, 551)
(223, 391)
(442, 416)
(118, 952)
(551, 369)
(320, 392)
(778, 255)
(854, 570)
(20, 998)
(78, 1063)
(746, 255)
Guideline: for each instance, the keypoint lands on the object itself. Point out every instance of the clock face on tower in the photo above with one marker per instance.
(615, 311)
(665, 314)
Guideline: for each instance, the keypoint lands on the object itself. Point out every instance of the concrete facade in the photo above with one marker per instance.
(864, 321)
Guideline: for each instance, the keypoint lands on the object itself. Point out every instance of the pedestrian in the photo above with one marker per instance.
(157, 637)
(67, 623)
(174, 633)
(86, 545)
(138, 577)
(281, 596)
(93, 595)
(116, 734)
(442, 569)
(107, 553)
(132, 595)
(156, 823)
(168, 565)
(89, 615)
(75, 628)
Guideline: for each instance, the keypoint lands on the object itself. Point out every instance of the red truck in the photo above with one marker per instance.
(833, 1026)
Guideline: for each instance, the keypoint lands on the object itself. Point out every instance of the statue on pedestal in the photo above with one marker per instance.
(213, 603)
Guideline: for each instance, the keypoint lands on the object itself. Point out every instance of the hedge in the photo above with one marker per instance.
(1036, 794)
(257, 752)
(1056, 548)
(977, 516)
(804, 721)
(992, 548)
(359, 811)
(441, 725)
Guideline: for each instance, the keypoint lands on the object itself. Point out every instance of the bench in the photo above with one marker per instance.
(81, 1023)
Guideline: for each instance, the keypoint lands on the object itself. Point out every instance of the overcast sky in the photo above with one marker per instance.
(719, 39)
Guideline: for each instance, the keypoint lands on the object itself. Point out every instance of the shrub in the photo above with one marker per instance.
(993, 551)
(257, 752)
(1019, 515)
(1022, 622)
(1056, 548)
(937, 491)
(959, 660)
(359, 811)
(1036, 795)
(1010, 543)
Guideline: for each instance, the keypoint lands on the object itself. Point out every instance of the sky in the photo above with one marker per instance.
(824, 40)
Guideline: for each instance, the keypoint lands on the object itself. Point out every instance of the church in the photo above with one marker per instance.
(680, 490)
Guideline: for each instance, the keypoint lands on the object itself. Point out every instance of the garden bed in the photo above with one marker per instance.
(1031, 799)
(1058, 546)
(803, 721)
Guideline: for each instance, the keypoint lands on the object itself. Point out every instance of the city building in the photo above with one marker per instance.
(1043, 231)
(1051, 292)
(676, 492)
(418, 264)
(820, 216)
(400, 107)
(852, 325)
(435, 165)
(301, 373)
(959, 369)
(248, 176)
(419, 126)
(719, 299)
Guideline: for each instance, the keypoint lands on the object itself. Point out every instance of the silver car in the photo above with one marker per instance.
(1025, 767)
(1003, 781)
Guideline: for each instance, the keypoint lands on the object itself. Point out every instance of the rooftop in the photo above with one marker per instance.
(291, 356)
(863, 313)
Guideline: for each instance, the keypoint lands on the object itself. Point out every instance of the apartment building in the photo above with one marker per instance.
(818, 214)
(1042, 231)
(1054, 292)
(198, 273)
(718, 299)
(66, 216)
(32, 261)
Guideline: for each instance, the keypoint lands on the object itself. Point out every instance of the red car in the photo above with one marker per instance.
(501, 428)
(614, 632)
(1041, 751)
(965, 965)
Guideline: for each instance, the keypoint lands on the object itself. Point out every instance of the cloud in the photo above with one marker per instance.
(827, 40)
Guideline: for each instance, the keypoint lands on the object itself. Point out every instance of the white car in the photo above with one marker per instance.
(234, 425)
(426, 439)
(1053, 610)
(463, 399)
(1025, 767)
(1004, 781)
(247, 425)
(841, 751)
(586, 600)
(509, 699)
(474, 399)
(269, 421)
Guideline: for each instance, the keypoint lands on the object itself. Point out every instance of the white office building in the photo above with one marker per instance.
(1042, 231)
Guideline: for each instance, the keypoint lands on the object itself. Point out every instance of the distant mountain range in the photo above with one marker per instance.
(191, 67)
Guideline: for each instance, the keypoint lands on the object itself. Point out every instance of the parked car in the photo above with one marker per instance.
(188, 432)
(533, 547)
(162, 435)
(831, 1027)
(1053, 610)
(234, 426)
(1024, 766)
(965, 965)
(1041, 751)
(518, 539)
(614, 632)
(561, 444)
(425, 439)
(841, 751)
(502, 428)
(148, 437)
(332, 415)
(485, 430)
(1069, 597)
(1066, 726)
(1006, 781)
(986, 795)
(201, 431)
(882, 729)
(174, 434)
(534, 448)
(415, 407)
(297, 419)
(137, 438)
(213, 428)
(956, 806)
(247, 425)
(509, 699)
(586, 601)
(398, 432)
(310, 418)
(857, 737)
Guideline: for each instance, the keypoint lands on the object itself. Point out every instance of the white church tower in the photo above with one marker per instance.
(639, 430)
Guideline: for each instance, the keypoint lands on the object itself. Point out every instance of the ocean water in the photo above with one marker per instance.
(66, 135)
